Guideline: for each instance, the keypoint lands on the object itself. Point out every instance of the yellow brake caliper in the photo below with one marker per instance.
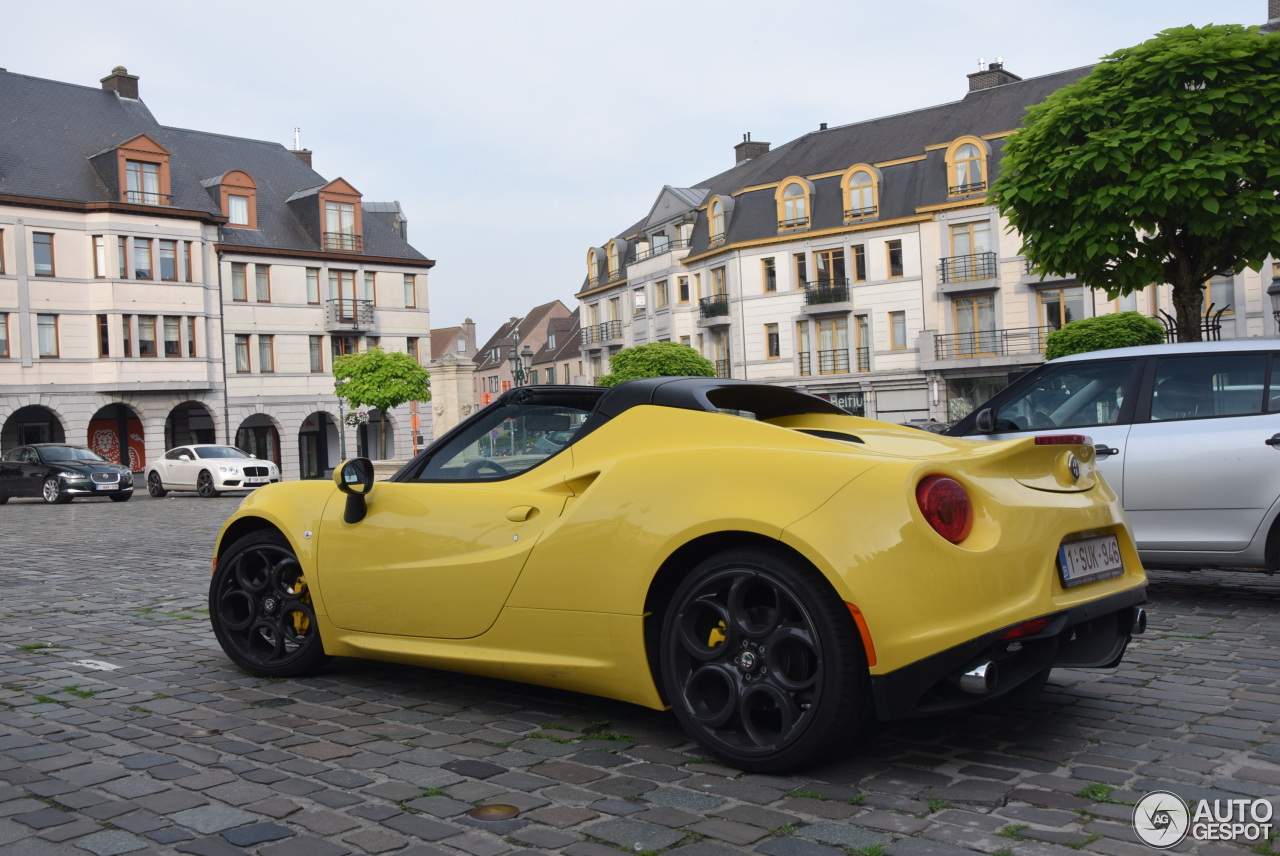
(716, 636)
(301, 624)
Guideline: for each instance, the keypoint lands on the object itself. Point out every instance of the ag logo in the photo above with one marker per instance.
(1161, 819)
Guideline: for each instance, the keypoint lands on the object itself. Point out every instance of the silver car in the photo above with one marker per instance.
(1187, 434)
(208, 469)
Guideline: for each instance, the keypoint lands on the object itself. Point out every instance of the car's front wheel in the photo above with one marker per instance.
(204, 484)
(121, 497)
(260, 608)
(762, 662)
(155, 487)
(51, 491)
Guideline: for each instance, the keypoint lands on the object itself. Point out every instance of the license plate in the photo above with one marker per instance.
(1089, 559)
(255, 481)
(107, 486)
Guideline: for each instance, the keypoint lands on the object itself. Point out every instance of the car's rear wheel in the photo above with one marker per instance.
(204, 484)
(260, 608)
(155, 487)
(121, 497)
(762, 662)
(51, 491)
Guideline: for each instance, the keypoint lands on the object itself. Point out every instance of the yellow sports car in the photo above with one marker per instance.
(771, 568)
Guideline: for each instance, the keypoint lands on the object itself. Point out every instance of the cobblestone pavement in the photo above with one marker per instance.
(123, 729)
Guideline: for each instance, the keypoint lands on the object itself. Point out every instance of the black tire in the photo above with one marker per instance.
(4, 497)
(204, 485)
(762, 663)
(122, 497)
(261, 611)
(51, 491)
(155, 487)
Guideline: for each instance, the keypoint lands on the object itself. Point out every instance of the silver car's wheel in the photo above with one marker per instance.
(52, 491)
(155, 487)
(204, 484)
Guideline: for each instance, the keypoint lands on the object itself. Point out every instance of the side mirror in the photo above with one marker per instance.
(354, 478)
(985, 421)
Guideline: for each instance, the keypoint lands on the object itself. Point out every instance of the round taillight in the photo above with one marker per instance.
(946, 506)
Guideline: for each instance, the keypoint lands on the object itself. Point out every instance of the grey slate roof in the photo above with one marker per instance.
(52, 129)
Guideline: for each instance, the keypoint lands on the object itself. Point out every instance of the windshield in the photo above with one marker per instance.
(220, 452)
(69, 453)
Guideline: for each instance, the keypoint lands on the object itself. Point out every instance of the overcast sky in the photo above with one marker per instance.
(516, 135)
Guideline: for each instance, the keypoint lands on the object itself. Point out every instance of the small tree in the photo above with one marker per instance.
(381, 379)
(657, 359)
(1160, 165)
(1119, 330)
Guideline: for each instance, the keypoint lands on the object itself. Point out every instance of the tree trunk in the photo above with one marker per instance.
(1188, 302)
(382, 430)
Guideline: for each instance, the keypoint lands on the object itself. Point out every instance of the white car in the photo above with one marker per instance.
(1187, 434)
(208, 470)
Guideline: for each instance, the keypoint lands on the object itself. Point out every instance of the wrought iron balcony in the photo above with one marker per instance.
(827, 291)
(659, 249)
(347, 242)
(965, 268)
(806, 364)
(1013, 341)
(609, 330)
(864, 359)
(833, 362)
(794, 223)
(588, 336)
(722, 368)
(146, 197)
(615, 275)
(860, 213)
(345, 313)
(963, 189)
(716, 240)
(714, 306)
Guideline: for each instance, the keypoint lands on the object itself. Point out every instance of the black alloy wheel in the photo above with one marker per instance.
(762, 662)
(51, 491)
(155, 487)
(260, 608)
(204, 484)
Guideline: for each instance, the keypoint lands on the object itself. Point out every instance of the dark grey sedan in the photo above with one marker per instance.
(57, 472)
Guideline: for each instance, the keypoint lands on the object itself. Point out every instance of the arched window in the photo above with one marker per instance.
(715, 222)
(593, 269)
(793, 204)
(967, 167)
(861, 193)
(613, 259)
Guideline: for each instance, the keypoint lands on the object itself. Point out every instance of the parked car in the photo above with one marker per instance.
(774, 569)
(58, 472)
(208, 469)
(1187, 434)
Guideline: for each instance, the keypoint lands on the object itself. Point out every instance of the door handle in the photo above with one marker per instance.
(1102, 450)
(1274, 441)
(521, 513)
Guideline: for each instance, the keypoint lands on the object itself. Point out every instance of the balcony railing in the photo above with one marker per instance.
(346, 242)
(345, 313)
(859, 213)
(615, 275)
(714, 306)
(146, 197)
(964, 268)
(589, 336)
(1013, 341)
(681, 244)
(833, 362)
(806, 364)
(722, 368)
(962, 189)
(716, 240)
(826, 291)
(609, 330)
(793, 223)
(864, 359)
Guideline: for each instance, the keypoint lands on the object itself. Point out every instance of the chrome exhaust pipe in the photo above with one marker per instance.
(979, 679)
(1139, 620)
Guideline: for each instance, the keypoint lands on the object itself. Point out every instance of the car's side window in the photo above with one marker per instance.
(174, 454)
(1075, 395)
(14, 455)
(1208, 385)
(509, 441)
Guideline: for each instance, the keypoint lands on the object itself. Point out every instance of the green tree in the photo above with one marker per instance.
(381, 379)
(657, 359)
(1160, 165)
(1118, 330)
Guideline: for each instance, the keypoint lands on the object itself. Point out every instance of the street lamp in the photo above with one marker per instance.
(520, 362)
(1273, 291)
(342, 419)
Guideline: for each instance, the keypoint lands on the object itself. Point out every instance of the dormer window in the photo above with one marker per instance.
(237, 210)
(861, 192)
(966, 167)
(793, 203)
(593, 268)
(144, 171)
(613, 260)
(142, 182)
(715, 223)
(340, 226)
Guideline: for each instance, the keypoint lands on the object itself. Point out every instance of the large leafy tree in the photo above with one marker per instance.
(657, 359)
(381, 379)
(1160, 165)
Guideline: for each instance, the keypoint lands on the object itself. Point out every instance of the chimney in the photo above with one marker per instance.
(746, 150)
(994, 74)
(298, 151)
(1273, 10)
(122, 83)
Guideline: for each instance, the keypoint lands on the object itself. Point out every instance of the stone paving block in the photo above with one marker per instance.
(257, 833)
(112, 842)
(372, 841)
(212, 818)
(304, 845)
(419, 827)
(633, 835)
(44, 818)
(68, 831)
(797, 847)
